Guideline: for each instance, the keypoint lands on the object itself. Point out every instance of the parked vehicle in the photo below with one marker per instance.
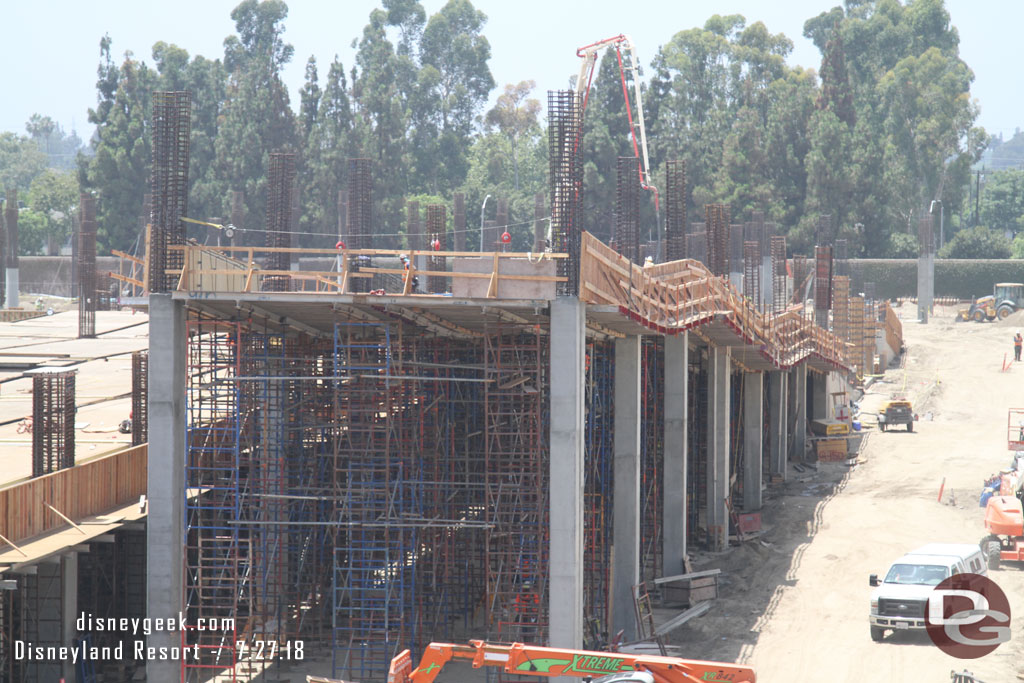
(899, 600)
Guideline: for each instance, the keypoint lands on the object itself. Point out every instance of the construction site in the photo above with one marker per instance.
(344, 453)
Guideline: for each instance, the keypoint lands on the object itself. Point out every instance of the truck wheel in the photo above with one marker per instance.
(910, 426)
(978, 317)
(1004, 312)
(992, 551)
(877, 633)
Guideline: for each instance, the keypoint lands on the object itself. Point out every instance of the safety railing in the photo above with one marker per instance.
(238, 269)
(91, 488)
(684, 294)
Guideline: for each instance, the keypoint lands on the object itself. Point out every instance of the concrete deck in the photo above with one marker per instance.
(102, 387)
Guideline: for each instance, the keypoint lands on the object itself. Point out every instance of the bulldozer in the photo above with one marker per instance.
(1006, 298)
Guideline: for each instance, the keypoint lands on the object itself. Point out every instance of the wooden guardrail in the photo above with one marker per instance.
(215, 269)
(88, 489)
(683, 294)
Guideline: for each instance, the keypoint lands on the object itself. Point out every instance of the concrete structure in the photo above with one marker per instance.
(753, 433)
(626, 521)
(676, 426)
(544, 529)
(568, 340)
(166, 503)
(798, 416)
(719, 375)
(925, 286)
(778, 425)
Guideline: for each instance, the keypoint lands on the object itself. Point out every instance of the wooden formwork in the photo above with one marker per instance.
(88, 489)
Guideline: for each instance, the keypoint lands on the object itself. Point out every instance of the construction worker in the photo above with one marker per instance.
(1017, 342)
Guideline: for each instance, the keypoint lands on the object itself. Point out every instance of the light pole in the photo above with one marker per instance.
(482, 207)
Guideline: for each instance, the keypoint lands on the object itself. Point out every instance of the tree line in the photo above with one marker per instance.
(884, 128)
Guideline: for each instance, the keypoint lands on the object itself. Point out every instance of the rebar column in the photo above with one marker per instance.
(627, 208)
(359, 216)
(140, 387)
(168, 186)
(823, 230)
(459, 221)
(752, 271)
(822, 284)
(279, 219)
(778, 253)
(53, 421)
(716, 228)
(87, 267)
(538, 222)
(436, 223)
(675, 210)
(565, 133)
(736, 231)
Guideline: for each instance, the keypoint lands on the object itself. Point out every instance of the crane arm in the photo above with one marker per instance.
(527, 660)
(588, 53)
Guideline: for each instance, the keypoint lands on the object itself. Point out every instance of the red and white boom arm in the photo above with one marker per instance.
(621, 43)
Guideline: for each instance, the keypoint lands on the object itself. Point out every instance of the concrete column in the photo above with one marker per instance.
(753, 432)
(11, 247)
(925, 286)
(69, 609)
(819, 398)
(674, 477)
(798, 380)
(565, 586)
(166, 480)
(626, 514)
(718, 446)
(778, 427)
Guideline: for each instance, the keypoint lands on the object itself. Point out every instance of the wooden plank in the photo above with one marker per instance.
(683, 617)
(691, 575)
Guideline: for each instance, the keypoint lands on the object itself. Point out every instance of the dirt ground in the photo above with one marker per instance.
(794, 603)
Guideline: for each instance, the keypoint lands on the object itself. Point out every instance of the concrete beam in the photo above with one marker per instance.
(565, 586)
(626, 514)
(166, 481)
(753, 436)
(778, 426)
(718, 446)
(674, 477)
(798, 388)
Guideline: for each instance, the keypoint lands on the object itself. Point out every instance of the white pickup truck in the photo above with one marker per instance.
(899, 600)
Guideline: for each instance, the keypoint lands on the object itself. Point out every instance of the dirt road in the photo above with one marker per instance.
(795, 607)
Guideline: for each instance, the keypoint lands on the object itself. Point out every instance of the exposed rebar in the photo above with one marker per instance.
(675, 210)
(168, 186)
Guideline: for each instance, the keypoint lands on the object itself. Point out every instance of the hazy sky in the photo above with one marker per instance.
(50, 48)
